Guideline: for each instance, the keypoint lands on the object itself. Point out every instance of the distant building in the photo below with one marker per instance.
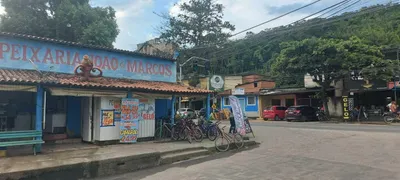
(157, 47)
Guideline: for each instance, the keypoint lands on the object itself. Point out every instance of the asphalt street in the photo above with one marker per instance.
(298, 151)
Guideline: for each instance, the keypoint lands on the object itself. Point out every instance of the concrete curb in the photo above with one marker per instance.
(113, 166)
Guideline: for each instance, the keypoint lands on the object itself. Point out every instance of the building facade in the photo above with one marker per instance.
(71, 90)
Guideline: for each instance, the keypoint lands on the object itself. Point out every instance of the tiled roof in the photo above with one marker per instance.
(25, 36)
(51, 78)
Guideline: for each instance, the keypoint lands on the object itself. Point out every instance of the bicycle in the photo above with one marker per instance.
(190, 131)
(208, 128)
(166, 130)
(228, 139)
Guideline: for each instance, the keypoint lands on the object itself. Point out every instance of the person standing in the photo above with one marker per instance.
(232, 129)
(11, 113)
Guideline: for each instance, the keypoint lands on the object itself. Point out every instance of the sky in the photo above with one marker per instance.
(138, 22)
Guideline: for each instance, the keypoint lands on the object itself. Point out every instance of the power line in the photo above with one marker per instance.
(333, 9)
(302, 19)
(265, 22)
(304, 27)
(343, 9)
(273, 19)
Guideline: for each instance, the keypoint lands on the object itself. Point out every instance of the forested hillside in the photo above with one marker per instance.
(375, 25)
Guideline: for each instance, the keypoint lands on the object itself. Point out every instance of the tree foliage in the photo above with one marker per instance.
(376, 25)
(70, 20)
(330, 60)
(199, 23)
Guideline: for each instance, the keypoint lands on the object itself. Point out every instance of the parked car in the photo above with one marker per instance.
(186, 112)
(302, 113)
(274, 112)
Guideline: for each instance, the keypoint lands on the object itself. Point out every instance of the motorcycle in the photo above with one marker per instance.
(321, 115)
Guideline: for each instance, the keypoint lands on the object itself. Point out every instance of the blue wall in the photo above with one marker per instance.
(16, 53)
(162, 108)
(248, 108)
(74, 118)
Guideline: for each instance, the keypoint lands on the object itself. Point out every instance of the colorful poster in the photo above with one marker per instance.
(107, 118)
(238, 115)
(146, 109)
(129, 120)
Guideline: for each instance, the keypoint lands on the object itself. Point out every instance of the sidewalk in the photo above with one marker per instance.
(88, 163)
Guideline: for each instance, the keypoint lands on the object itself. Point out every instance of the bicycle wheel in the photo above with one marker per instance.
(212, 133)
(222, 143)
(158, 134)
(188, 135)
(239, 142)
(197, 134)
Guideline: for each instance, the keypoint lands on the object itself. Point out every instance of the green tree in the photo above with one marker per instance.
(329, 60)
(199, 23)
(70, 20)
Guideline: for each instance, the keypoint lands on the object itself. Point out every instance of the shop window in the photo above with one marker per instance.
(226, 102)
(289, 102)
(251, 100)
(276, 102)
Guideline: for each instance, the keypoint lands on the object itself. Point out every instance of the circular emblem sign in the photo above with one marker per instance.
(217, 82)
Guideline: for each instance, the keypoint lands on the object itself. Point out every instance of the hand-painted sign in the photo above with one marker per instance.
(129, 120)
(146, 109)
(346, 113)
(238, 115)
(107, 118)
(29, 54)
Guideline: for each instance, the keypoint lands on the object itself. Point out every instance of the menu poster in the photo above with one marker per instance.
(146, 109)
(107, 118)
(129, 120)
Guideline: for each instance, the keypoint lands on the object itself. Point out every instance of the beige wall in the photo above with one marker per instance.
(232, 81)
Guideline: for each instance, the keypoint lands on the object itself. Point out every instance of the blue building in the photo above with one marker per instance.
(248, 103)
(38, 77)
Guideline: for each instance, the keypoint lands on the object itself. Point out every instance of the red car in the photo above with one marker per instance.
(274, 112)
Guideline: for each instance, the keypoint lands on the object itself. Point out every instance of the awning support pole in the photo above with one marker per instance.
(173, 109)
(39, 114)
(208, 109)
(129, 94)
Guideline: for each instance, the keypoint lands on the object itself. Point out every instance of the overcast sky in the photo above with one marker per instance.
(138, 23)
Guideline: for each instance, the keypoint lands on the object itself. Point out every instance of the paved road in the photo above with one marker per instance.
(295, 153)
(395, 128)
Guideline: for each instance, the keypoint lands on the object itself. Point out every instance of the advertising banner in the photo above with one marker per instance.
(129, 120)
(238, 114)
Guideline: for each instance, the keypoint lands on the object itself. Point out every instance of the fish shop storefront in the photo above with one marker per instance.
(65, 90)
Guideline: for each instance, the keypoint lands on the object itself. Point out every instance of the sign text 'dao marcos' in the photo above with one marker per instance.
(17, 53)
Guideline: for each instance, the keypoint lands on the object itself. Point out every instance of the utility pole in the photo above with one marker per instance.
(190, 59)
(180, 72)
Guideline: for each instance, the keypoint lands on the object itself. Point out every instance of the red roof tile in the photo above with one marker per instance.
(51, 78)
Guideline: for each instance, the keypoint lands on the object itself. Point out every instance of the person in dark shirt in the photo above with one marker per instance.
(11, 112)
(232, 121)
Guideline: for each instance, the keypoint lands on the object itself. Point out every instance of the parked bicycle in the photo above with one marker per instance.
(208, 128)
(223, 141)
(190, 131)
(166, 130)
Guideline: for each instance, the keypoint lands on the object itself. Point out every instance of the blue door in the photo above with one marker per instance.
(242, 105)
(74, 117)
